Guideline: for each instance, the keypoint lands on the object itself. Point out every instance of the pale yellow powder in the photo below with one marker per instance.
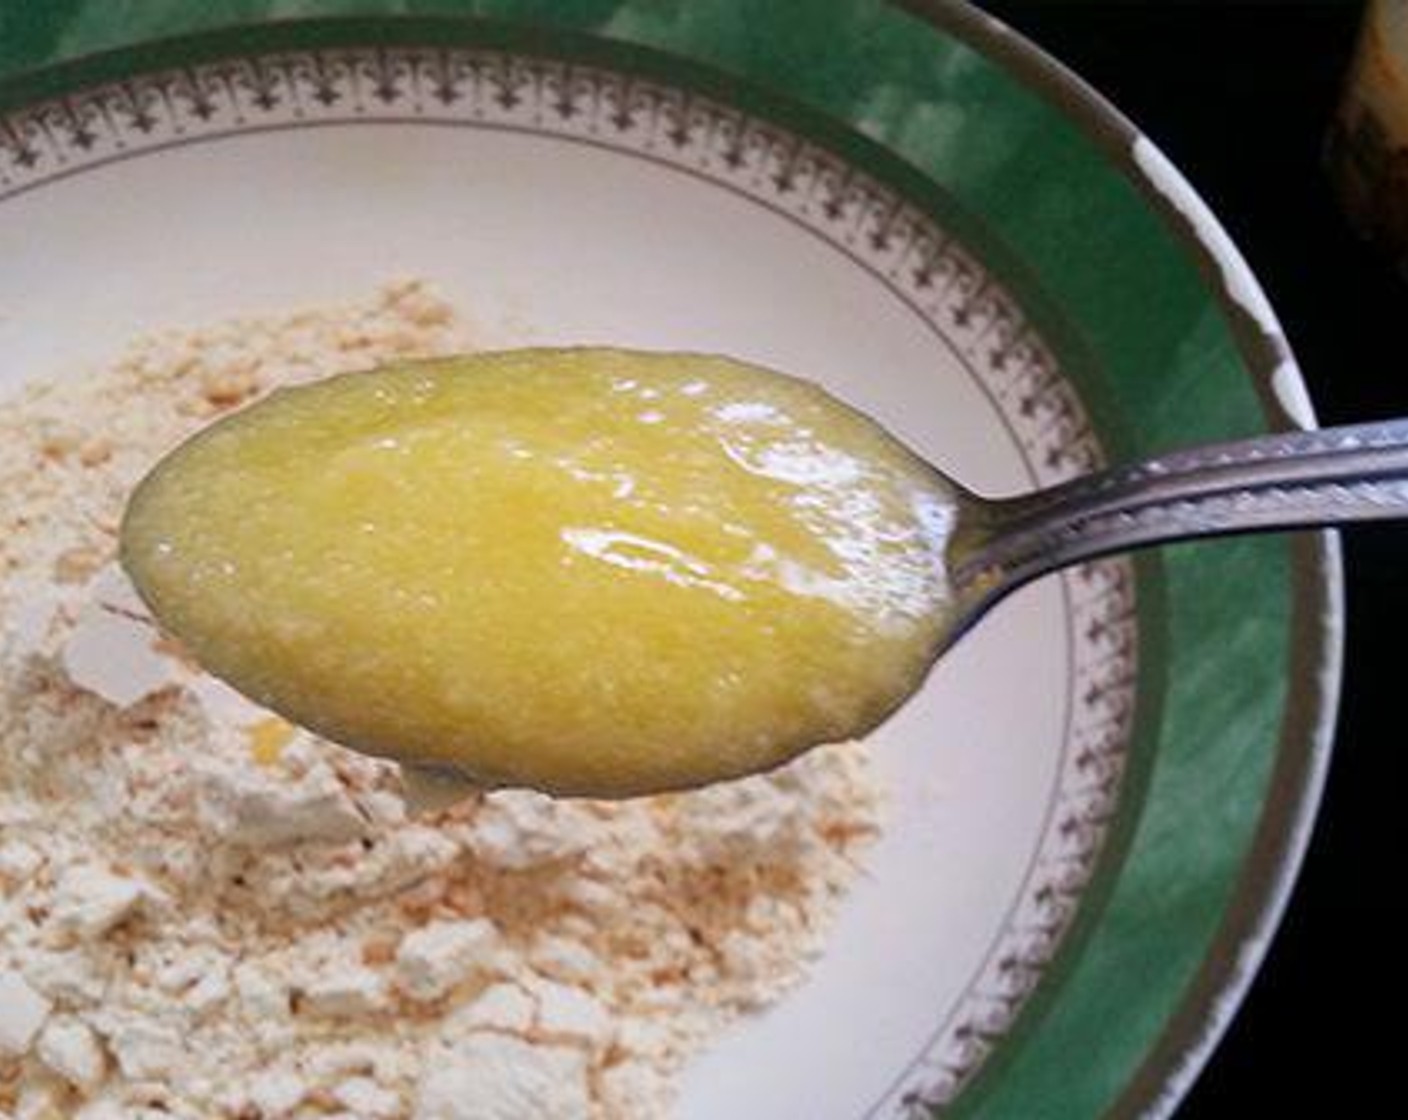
(219, 919)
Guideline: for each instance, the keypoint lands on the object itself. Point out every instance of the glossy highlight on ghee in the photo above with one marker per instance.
(589, 571)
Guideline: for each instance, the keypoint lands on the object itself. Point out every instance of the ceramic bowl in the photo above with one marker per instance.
(1098, 803)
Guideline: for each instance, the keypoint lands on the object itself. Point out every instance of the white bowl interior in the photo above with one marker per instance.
(544, 240)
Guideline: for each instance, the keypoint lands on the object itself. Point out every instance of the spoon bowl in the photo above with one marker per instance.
(588, 571)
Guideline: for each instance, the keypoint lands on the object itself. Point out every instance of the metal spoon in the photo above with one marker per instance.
(1329, 476)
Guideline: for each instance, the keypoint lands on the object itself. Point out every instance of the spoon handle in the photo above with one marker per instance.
(1330, 476)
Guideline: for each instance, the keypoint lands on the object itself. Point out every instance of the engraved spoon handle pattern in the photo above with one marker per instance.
(1292, 480)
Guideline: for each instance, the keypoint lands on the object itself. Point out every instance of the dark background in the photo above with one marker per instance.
(1239, 95)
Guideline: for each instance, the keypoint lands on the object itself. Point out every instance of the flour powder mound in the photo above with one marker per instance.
(206, 912)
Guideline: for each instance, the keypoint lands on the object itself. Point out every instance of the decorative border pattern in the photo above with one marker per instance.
(1102, 604)
(882, 232)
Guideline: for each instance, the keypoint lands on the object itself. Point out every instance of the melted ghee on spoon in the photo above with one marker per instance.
(589, 571)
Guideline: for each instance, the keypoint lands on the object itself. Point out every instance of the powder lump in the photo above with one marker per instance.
(206, 913)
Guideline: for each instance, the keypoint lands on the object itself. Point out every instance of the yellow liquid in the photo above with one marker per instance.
(593, 572)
